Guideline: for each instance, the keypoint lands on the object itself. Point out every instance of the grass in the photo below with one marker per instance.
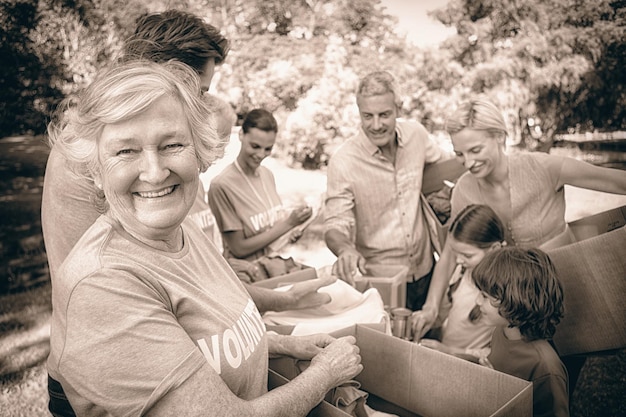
(24, 347)
(24, 316)
(601, 389)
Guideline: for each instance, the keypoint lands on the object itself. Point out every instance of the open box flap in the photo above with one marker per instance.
(593, 275)
(413, 380)
(431, 383)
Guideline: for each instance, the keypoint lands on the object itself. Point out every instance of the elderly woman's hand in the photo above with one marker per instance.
(340, 360)
(306, 347)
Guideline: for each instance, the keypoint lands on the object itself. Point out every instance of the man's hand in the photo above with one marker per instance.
(348, 263)
(304, 294)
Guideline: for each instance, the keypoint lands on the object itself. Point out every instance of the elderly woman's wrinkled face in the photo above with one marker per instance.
(149, 170)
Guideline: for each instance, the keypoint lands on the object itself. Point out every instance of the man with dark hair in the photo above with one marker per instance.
(173, 34)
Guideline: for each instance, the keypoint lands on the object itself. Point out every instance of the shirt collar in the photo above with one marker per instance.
(373, 149)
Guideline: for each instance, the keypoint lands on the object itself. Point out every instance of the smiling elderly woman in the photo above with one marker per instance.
(139, 327)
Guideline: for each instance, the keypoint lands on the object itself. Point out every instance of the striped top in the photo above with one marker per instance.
(377, 203)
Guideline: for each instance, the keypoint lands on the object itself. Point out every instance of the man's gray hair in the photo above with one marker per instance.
(378, 83)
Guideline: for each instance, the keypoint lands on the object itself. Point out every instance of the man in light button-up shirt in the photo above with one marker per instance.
(373, 213)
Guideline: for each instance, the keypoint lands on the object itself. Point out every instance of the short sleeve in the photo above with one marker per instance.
(127, 349)
(223, 209)
(550, 396)
(464, 193)
(432, 151)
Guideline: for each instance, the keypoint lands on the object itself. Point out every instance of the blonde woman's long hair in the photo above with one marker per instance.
(478, 113)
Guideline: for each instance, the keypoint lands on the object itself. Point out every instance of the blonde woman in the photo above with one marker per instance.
(526, 190)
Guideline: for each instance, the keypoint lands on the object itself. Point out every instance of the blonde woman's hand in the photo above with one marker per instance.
(435, 345)
(485, 362)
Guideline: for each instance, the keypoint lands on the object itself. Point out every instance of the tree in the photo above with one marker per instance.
(306, 71)
(284, 55)
(547, 63)
(325, 115)
(25, 93)
(53, 48)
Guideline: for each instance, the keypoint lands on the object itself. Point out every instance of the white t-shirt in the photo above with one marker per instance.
(458, 330)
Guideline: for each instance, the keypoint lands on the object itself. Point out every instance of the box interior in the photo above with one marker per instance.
(410, 380)
(389, 280)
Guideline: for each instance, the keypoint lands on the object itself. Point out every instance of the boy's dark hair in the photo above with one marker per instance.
(260, 119)
(526, 285)
(179, 35)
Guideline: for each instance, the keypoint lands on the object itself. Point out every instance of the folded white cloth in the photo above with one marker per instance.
(347, 307)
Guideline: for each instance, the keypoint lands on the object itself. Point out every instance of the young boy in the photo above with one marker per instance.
(522, 296)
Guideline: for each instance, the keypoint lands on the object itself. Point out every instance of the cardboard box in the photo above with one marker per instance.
(304, 275)
(433, 181)
(435, 174)
(592, 271)
(389, 280)
(323, 409)
(597, 224)
(410, 380)
(591, 266)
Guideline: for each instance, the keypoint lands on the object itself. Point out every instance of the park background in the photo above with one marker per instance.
(555, 67)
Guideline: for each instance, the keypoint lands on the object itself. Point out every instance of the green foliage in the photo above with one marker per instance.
(306, 72)
(54, 48)
(552, 65)
(25, 93)
(323, 117)
(268, 71)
